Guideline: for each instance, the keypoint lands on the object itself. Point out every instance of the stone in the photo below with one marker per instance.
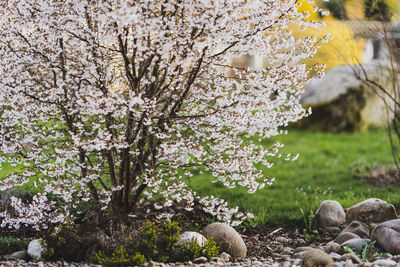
(297, 261)
(315, 257)
(218, 260)
(356, 244)
(349, 256)
(343, 237)
(336, 264)
(16, 255)
(329, 214)
(332, 247)
(282, 239)
(227, 238)
(371, 210)
(35, 250)
(335, 256)
(287, 250)
(225, 256)
(302, 249)
(385, 263)
(200, 260)
(387, 236)
(189, 236)
(348, 263)
(341, 102)
(299, 254)
(359, 228)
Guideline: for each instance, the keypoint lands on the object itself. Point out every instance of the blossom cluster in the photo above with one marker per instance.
(108, 101)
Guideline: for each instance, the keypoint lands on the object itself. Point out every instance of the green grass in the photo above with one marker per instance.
(326, 169)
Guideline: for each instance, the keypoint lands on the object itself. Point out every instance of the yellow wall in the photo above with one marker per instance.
(343, 48)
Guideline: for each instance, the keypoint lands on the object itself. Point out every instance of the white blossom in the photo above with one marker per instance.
(123, 98)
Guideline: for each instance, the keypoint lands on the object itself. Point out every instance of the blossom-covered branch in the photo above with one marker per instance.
(113, 97)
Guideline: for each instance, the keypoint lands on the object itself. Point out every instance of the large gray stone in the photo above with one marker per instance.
(316, 257)
(387, 236)
(371, 210)
(343, 237)
(329, 214)
(332, 247)
(21, 255)
(340, 101)
(359, 228)
(227, 238)
(35, 249)
(356, 244)
(385, 263)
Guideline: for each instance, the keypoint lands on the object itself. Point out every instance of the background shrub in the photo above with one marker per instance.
(9, 245)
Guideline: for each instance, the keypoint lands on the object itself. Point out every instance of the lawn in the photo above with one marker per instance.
(328, 168)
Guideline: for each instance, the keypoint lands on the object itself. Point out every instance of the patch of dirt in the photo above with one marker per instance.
(266, 241)
(381, 177)
(261, 241)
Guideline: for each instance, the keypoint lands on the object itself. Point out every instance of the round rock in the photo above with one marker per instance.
(227, 238)
(316, 257)
(344, 236)
(329, 214)
(387, 236)
(332, 247)
(193, 236)
(356, 244)
(359, 228)
(371, 210)
(35, 249)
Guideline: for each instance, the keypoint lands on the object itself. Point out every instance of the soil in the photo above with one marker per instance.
(262, 241)
(382, 176)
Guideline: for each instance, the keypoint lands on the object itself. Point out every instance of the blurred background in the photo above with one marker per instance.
(349, 145)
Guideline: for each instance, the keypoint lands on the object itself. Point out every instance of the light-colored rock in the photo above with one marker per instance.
(16, 255)
(332, 247)
(227, 238)
(342, 102)
(315, 257)
(299, 254)
(189, 236)
(337, 264)
(218, 260)
(282, 239)
(35, 250)
(387, 236)
(200, 260)
(371, 210)
(356, 244)
(225, 256)
(329, 214)
(301, 249)
(359, 228)
(385, 263)
(287, 250)
(352, 257)
(335, 256)
(297, 261)
(343, 237)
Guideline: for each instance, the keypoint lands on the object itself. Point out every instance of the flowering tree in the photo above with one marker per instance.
(104, 101)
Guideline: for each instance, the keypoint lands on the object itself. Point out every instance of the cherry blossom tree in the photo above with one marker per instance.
(106, 102)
